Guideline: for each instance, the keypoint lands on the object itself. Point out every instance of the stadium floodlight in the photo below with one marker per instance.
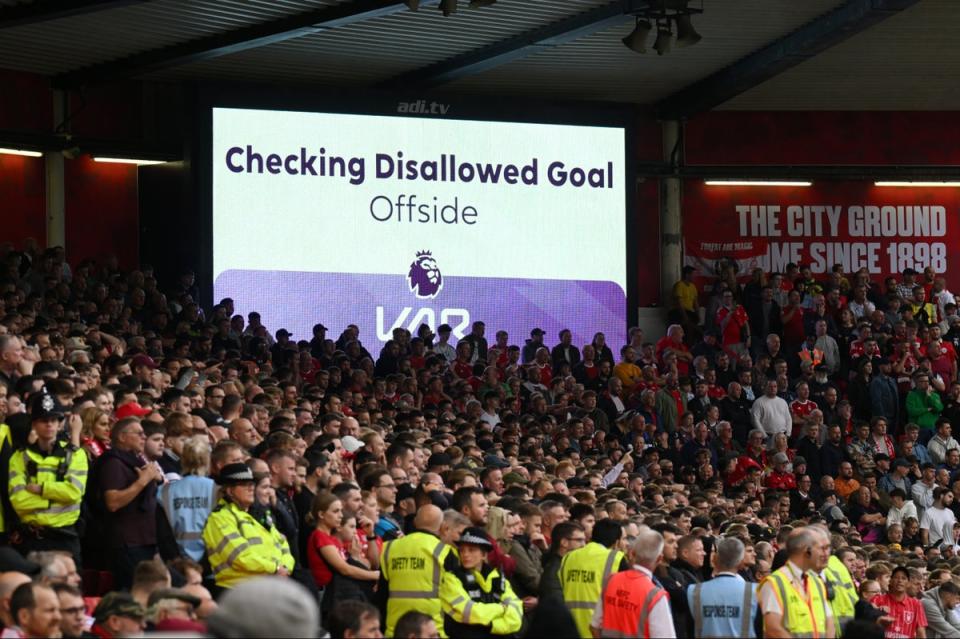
(637, 39)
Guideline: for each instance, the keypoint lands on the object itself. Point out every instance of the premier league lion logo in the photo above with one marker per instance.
(424, 277)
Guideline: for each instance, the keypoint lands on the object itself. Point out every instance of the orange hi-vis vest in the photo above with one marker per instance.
(627, 601)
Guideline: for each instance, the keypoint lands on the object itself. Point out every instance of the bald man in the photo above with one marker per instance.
(9, 581)
(412, 568)
(207, 604)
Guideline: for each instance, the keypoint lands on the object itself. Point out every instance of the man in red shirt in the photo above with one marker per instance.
(909, 619)
(734, 326)
(801, 408)
(673, 342)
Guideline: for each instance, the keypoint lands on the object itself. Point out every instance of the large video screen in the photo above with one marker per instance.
(393, 221)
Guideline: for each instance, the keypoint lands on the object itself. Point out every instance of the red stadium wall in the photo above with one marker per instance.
(22, 209)
(824, 137)
(101, 211)
(101, 199)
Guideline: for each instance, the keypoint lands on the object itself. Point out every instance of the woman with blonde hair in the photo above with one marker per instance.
(95, 434)
(189, 501)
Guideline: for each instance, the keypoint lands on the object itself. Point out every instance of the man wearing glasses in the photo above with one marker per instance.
(73, 616)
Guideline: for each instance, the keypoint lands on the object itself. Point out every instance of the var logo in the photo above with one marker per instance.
(457, 318)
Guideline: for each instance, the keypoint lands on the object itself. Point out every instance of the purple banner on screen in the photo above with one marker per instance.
(379, 303)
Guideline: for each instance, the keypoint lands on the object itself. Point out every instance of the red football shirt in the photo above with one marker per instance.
(907, 615)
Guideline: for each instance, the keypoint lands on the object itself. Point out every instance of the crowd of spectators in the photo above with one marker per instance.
(182, 469)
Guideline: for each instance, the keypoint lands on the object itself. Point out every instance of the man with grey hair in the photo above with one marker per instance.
(632, 605)
(725, 606)
(793, 598)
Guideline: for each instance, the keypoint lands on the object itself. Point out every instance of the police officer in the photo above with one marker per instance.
(47, 481)
(238, 546)
(478, 601)
(793, 598)
(413, 567)
(632, 604)
(584, 572)
(725, 606)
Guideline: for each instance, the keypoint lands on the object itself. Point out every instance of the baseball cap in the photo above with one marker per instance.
(143, 360)
(284, 333)
(131, 409)
(319, 327)
(498, 462)
(351, 444)
(121, 604)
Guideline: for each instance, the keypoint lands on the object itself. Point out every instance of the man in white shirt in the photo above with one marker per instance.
(943, 441)
(936, 525)
(771, 412)
(442, 347)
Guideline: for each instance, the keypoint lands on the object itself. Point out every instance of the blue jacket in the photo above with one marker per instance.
(725, 606)
(188, 502)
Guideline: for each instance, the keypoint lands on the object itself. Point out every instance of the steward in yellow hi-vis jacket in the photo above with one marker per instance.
(47, 481)
(412, 569)
(477, 600)
(584, 572)
(238, 546)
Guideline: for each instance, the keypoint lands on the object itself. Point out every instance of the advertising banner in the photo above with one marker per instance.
(855, 224)
(386, 221)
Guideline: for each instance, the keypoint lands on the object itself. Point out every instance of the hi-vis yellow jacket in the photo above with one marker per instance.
(62, 475)
(240, 548)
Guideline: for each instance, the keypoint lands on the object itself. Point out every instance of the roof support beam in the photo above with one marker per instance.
(830, 29)
(518, 46)
(243, 39)
(43, 10)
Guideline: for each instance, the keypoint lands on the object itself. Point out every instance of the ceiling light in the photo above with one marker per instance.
(664, 36)
(448, 7)
(637, 40)
(757, 183)
(933, 185)
(413, 5)
(29, 154)
(136, 161)
(686, 34)
(481, 3)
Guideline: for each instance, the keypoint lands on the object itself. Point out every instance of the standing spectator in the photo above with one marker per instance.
(771, 412)
(734, 326)
(127, 484)
(565, 352)
(936, 524)
(909, 618)
(686, 300)
(923, 403)
(765, 316)
(478, 343)
(442, 346)
(884, 397)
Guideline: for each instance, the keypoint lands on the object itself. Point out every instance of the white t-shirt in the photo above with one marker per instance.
(939, 523)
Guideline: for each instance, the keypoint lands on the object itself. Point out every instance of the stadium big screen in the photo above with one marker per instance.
(395, 221)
